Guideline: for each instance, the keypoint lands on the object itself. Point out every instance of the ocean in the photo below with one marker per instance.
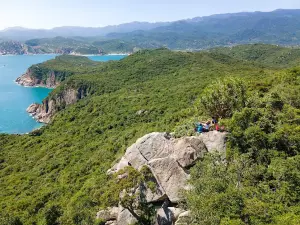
(14, 99)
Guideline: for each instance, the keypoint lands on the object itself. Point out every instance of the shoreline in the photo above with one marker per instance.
(37, 86)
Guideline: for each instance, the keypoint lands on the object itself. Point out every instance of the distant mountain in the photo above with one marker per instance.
(280, 27)
(21, 34)
(277, 27)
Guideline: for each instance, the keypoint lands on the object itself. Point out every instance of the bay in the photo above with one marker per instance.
(14, 99)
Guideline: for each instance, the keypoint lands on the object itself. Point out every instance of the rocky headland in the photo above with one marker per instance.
(29, 79)
(44, 112)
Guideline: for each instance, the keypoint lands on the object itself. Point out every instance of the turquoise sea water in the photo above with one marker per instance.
(14, 99)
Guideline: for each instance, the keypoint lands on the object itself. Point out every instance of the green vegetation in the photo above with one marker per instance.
(61, 45)
(114, 46)
(223, 98)
(62, 66)
(131, 186)
(12, 47)
(268, 55)
(280, 27)
(259, 182)
(57, 175)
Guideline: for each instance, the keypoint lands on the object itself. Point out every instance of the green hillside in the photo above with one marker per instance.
(63, 67)
(268, 55)
(57, 175)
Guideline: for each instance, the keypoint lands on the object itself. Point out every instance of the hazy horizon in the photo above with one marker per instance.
(46, 14)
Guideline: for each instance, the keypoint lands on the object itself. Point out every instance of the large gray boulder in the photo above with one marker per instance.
(172, 177)
(168, 159)
(168, 216)
(188, 150)
(125, 217)
(214, 141)
(184, 218)
(108, 214)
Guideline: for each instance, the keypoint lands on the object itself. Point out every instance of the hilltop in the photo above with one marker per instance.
(58, 174)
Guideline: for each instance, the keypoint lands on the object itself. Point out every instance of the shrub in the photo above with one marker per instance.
(224, 97)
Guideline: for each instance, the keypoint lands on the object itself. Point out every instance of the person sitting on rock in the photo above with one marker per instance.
(214, 120)
(200, 128)
(217, 127)
(222, 129)
(206, 127)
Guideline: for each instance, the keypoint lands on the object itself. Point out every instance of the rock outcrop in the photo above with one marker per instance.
(109, 214)
(44, 112)
(30, 80)
(168, 216)
(169, 160)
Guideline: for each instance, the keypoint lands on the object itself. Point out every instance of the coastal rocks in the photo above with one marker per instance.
(44, 112)
(26, 80)
(32, 109)
(30, 80)
(169, 160)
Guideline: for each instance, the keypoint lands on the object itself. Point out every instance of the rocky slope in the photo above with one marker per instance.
(169, 160)
(30, 80)
(44, 112)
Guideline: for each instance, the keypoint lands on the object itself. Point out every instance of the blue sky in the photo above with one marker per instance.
(96, 13)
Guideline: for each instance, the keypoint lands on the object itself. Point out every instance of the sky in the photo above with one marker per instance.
(98, 13)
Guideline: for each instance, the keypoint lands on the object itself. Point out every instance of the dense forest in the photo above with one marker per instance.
(57, 174)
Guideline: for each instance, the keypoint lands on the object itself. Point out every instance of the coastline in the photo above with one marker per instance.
(36, 86)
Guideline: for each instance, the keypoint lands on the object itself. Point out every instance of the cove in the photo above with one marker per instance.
(14, 99)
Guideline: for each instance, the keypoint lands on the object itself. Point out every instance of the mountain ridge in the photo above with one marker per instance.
(70, 31)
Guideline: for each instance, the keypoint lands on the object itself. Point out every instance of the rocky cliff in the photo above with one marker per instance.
(29, 79)
(169, 160)
(44, 112)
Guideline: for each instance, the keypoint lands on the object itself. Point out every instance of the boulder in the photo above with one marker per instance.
(32, 108)
(171, 176)
(108, 214)
(156, 194)
(168, 216)
(125, 217)
(215, 141)
(155, 145)
(168, 159)
(112, 222)
(184, 218)
(188, 150)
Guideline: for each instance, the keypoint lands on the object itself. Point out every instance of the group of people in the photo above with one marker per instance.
(208, 126)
